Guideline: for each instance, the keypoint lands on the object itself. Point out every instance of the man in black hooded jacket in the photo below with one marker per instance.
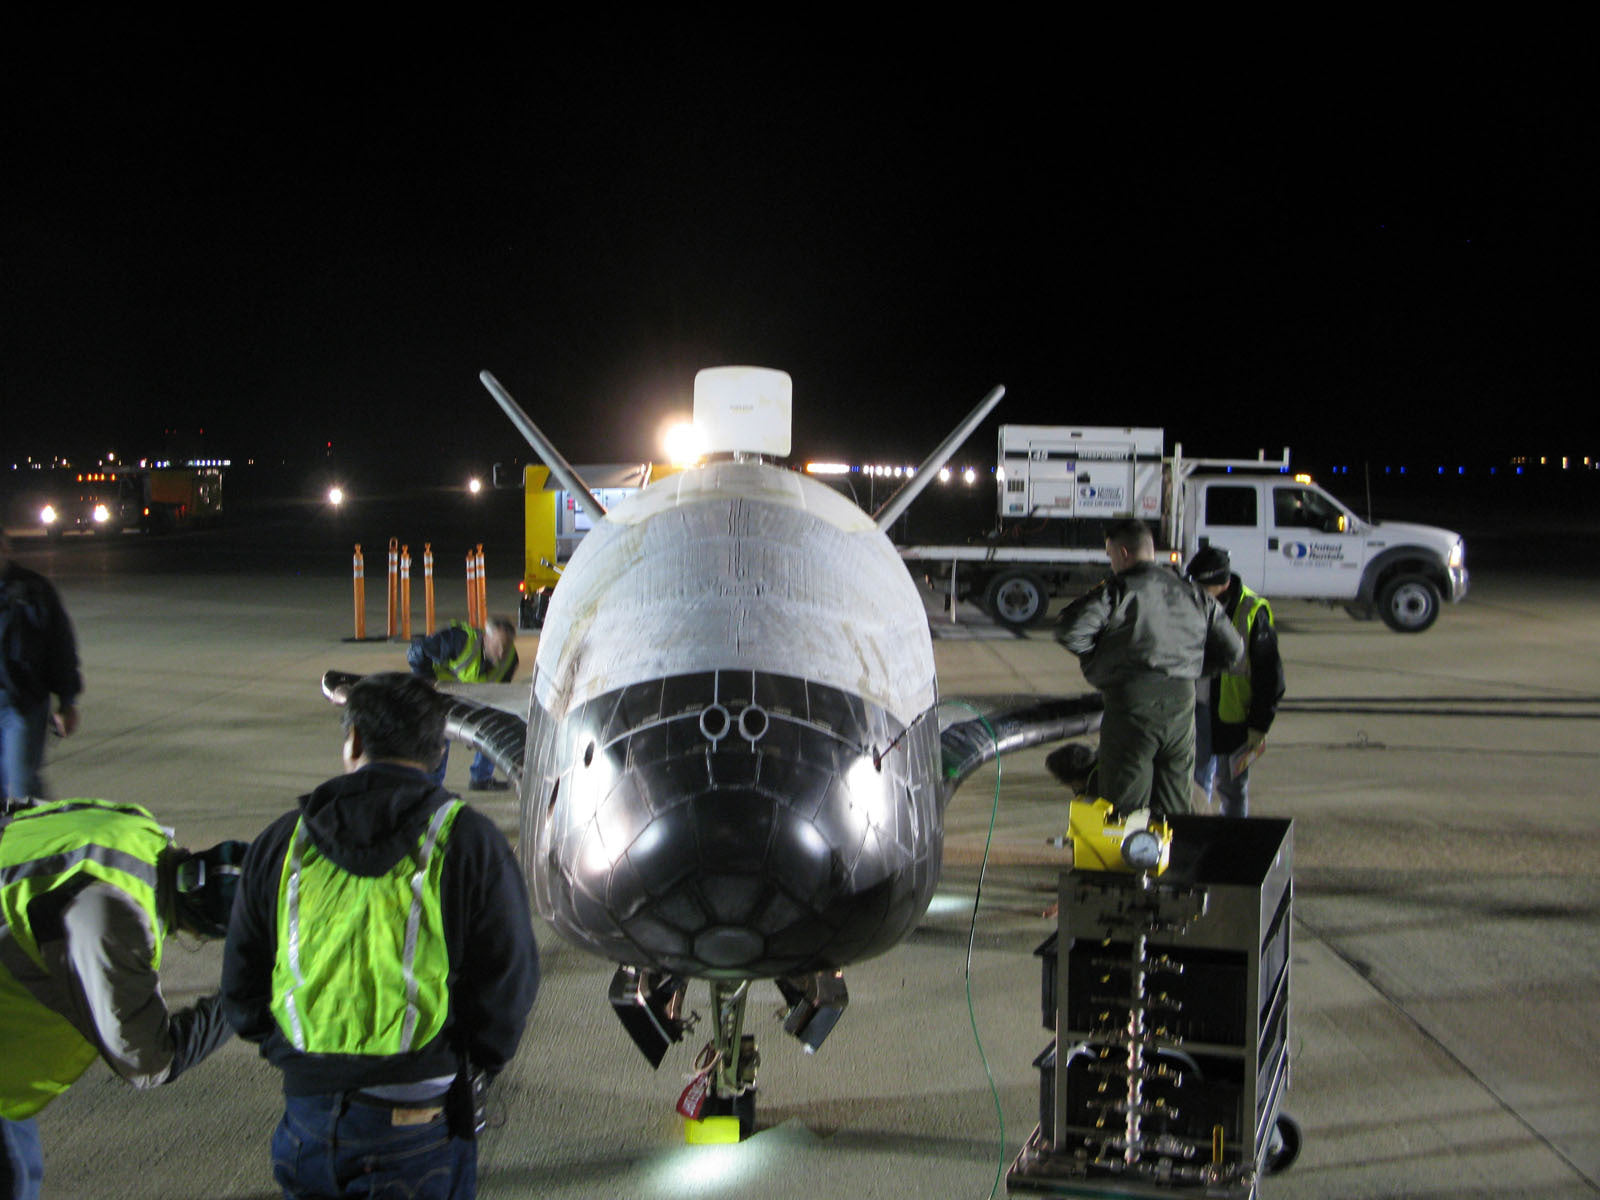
(381, 954)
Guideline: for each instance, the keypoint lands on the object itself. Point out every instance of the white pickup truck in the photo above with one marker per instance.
(1060, 487)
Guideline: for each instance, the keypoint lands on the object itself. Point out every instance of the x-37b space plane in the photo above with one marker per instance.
(735, 765)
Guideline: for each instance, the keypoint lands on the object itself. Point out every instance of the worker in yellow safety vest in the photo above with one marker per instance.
(382, 956)
(1235, 708)
(462, 654)
(89, 891)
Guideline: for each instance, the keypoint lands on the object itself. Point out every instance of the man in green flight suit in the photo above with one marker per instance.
(1142, 638)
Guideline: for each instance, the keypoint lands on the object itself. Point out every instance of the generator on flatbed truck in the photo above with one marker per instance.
(1060, 487)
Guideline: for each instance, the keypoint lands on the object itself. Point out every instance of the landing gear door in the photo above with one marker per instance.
(1314, 546)
(1231, 518)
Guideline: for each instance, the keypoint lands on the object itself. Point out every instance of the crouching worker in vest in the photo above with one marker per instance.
(463, 654)
(382, 956)
(89, 891)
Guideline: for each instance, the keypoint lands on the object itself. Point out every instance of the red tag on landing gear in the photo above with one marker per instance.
(693, 1100)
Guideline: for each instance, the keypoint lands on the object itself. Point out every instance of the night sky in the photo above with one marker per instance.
(295, 237)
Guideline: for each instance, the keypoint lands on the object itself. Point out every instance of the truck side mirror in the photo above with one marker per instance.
(1334, 524)
(501, 476)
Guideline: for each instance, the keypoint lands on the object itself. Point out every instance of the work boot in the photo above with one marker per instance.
(488, 785)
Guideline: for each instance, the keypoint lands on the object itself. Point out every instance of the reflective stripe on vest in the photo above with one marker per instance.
(42, 849)
(1233, 691)
(340, 954)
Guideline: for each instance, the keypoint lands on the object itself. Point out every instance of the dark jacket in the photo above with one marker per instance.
(365, 822)
(1147, 621)
(1267, 683)
(38, 653)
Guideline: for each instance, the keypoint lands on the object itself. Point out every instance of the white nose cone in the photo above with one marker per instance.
(743, 410)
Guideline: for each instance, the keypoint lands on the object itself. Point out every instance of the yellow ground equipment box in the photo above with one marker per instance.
(1101, 841)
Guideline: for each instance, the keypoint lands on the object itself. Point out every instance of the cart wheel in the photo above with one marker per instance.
(1284, 1145)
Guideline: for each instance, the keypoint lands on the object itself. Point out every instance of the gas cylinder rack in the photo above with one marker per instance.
(1169, 998)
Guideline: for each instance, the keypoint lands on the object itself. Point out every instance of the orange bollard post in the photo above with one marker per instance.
(361, 595)
(427, 588)
(405, 592)
(483, 589)
(394, 583)
(472, 588)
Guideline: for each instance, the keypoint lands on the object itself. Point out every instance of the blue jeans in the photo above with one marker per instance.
(22, 1165)
(22, 733)
(1214, 774)
(335, 1146)
(481, 771)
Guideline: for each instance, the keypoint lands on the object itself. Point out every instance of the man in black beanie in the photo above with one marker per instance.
(1234, 709)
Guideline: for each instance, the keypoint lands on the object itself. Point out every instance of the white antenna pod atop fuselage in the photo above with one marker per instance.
(743, 410)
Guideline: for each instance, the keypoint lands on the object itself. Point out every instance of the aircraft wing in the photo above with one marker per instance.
(976, 729)
(486, 716)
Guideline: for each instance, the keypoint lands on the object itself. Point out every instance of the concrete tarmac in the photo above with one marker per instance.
(1446, 941)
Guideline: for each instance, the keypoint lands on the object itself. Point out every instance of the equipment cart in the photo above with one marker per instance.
(1169, 998)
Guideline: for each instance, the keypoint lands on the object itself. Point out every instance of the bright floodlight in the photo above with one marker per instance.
(474, 485)
(335, 495)
(681, 443)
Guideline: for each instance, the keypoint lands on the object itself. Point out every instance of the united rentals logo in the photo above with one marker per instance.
(1315, 551)
(1105, 495)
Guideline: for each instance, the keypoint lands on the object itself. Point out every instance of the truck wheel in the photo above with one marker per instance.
(531, 609)
(1017, 599)
(1283, 1144)
(1409, 603)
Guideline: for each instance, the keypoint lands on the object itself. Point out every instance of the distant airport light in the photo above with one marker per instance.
(48, 514)
(827, 468)
(474, 485)
(336, 496)
(944, 474)
(682, 444)
(102, 514)
(969, 476)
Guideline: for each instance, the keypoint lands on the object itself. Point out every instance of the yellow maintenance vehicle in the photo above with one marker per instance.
(555, 522)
